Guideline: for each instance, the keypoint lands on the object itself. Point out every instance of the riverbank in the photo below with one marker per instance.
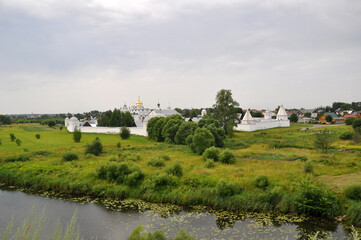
(278, 154)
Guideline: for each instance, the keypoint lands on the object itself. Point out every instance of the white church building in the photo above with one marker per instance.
(140, 114)
(250, 124)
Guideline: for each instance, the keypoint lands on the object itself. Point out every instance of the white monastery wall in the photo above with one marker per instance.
(262, 125)
(112, 130)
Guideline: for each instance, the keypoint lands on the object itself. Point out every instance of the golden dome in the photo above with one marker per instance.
(139, 102)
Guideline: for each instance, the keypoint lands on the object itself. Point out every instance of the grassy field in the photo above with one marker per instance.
(279, 154)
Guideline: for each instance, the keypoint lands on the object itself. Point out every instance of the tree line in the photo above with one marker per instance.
(5, 120)
(116, 118)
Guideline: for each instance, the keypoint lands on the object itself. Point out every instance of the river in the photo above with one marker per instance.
(96, 220)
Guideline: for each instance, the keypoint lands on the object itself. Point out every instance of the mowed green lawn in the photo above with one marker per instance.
(277, 153)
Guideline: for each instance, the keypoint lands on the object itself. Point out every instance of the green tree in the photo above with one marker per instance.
(116, 118)
(76, 135)
(324, 139)
(184, 130)
(349, 120)
(124, 133)
(356, 125)
(37, 136)
(5, 120)
(95, 148)
(329, 118)
(202, 139)
(51, 123)
(128, 119)
(104, 121)
(225, 108)
(294, 118)
(170, 130)
(218, 134)
(12, 137)
(18, 141)
(151, 127)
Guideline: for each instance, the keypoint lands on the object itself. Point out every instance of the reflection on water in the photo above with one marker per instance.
(96, 220)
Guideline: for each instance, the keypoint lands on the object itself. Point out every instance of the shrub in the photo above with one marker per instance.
(227, 156)
(175, 169)
(89, 156)
(316, 201)
(0, 141)
(353, 214)
(124, 133)
(349, 120)
(209, 163)
(294, 118)
(70, 156)
(308, 167)
(127, 173)
(211, 153)
(184, 130)
(324, 140)
(202, 139)
(12, 137)
(118, 145)
(95, 148)
(113, 158)
(165, 157)
(356, 125)
(129, 156)
(261, 182)
(156, 162)
(18, 141)
(76, 135)
(191, 181)
(225, 189)
(37, 136)
(21, 158)
(163, 180)
(353, 192)
(347, 135)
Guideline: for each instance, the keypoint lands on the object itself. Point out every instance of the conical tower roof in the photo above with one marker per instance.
(282, 111)
(247, 117)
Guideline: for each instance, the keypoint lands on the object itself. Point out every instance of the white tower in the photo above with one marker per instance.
(282, 114)
(247, 119)
(73, 124)
(267, 114)
(204, 113)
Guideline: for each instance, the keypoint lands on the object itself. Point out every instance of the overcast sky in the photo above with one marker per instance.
(81, 55)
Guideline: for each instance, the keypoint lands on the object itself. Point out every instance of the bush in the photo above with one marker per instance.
(347, 135)
(21, 158)
(224, 189)
(261, 182)
(124, 133)
(356, 125)
(76, 135)
(95, 148)
(175, 169)
(316, 201)
(165, 157)
(308, 167)
(209, 163)
(202, 139)
(324, 140)
(127, 173)
(113, 158)
(211, 153)
(70, 156)
(349, 120)
(353, 214)
(18, 141)
(294, 118)
(0, 141)
(227, 156)
(118, 145)
(184, 130)
(129, 156)
(353, 192)
(156, 162)
(163, 180)
(12, 137)
(37, 136)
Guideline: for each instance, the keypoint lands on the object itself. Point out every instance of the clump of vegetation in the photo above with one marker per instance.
(227, 156)
(95, 148)
(0, 141)
(124, 133)
(308, 167)
(157, 235)
(113, 158)
(18, 142)
(211, 153)
(70, 156)
(127, 173)
(261, 182)
(156, 162)
(130, 156)
(76, 135)
(118, 145)
(88, 156)
(225, 189)
(209, 163)
(347, 135)
(323, 140)
(349, 120)
(21, 158)
(353, 214)
(353, 192)
(165, 157)
(37, 136)
(316, 201)
(159, 181)
(175, 169)
(12, 137)
(201, 140)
